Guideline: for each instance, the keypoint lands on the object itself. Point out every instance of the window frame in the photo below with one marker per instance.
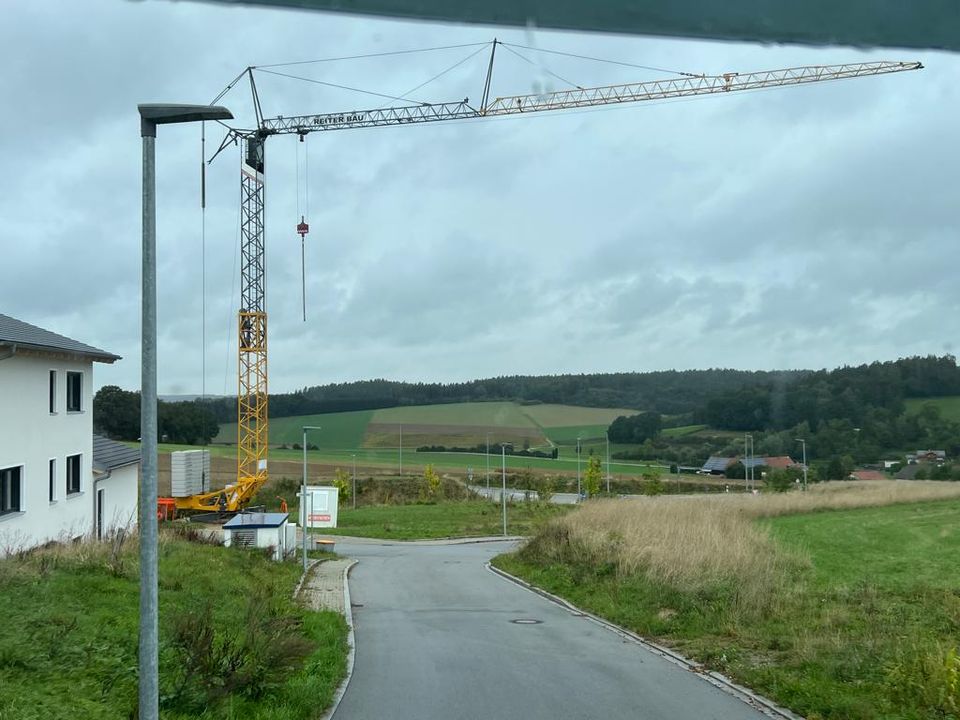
(52, 479)
(71, 459)
(78, 376)
(53, 391)
(6, 493)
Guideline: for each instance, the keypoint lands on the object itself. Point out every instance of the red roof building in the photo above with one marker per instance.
(868, 475)
(781, 462)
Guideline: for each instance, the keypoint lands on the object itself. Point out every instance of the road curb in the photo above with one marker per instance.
(351, 645)
(718, 680)
(438, 542)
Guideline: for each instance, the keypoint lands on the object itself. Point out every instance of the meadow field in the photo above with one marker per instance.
(538, 426)
(949, 406)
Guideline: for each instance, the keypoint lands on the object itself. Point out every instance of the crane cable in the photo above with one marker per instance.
(203, 260)
(303, 210)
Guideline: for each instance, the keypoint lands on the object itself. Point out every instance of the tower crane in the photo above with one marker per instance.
(252, 401)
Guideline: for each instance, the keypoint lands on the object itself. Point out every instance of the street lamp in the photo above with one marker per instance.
(353, 493)
(578, 469)
(804, 444)
(608, 462)
(503, 491)
(488, 465)
(303, 492)
(152, 115)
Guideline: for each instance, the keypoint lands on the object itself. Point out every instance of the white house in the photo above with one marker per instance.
(53, 485)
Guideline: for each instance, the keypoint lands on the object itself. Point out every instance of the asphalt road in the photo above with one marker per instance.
(436, 640)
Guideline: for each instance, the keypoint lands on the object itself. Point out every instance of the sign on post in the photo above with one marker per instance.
(319, 509)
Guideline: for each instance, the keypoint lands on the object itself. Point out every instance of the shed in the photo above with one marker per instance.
(261, 530)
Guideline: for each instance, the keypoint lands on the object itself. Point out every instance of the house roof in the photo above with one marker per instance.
(868, 475)
(253, 520)
(109, 454)
(18, 334)
(716, 463)
(779, 461)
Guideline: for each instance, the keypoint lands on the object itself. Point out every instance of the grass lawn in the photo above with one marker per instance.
(568, 434)
(551, 416)
(683, 430)
(471, 518)
(949, 406)
(864, 626)
(340, 430)
(68, 642)
(414, 462)
(492, 414)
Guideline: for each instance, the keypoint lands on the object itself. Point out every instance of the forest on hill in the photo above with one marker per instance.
(668, 392)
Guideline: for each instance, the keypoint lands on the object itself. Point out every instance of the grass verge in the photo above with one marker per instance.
(68, 643)
(851, 613)
(468, 518)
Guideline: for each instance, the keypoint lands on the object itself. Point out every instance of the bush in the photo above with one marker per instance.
(928, 679)
(214, 662)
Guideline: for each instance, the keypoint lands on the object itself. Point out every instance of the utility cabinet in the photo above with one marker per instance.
(262, 530)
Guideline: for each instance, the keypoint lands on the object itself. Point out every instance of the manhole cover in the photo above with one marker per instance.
(526, 621)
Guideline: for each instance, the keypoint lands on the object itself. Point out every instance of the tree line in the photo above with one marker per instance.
(669, 392)
(116, 414)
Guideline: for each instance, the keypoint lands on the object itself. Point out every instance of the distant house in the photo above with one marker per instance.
(908, 472)
(779, 462)
(116, 477)
(53, 484)
(867, 475)
(716, 465)
(930, 456)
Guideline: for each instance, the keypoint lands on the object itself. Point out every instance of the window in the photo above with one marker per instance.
(74, 391)
(53, 391)
(53, 480)
(10, 490)
(73, 474)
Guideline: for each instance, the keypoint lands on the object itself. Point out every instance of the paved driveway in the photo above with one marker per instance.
(437, 639)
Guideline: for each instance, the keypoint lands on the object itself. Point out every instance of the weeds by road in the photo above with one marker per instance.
(233, 641)
(851, 613)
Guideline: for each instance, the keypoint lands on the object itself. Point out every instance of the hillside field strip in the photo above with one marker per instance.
(949, 406)
(451, 425)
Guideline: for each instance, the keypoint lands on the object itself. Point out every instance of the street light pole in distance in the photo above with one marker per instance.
(151, 115)
(503, 491)
(579, 491)
(803, 444)
(303, 492)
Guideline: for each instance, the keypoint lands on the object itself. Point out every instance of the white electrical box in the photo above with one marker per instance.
(189, 472)
(320, 507)
(261, 530)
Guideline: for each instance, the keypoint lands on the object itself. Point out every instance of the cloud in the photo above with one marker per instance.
(802, 227)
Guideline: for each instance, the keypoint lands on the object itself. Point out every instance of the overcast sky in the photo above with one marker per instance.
(800, 227)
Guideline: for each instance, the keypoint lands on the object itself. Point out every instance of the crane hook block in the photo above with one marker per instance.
(302, 227)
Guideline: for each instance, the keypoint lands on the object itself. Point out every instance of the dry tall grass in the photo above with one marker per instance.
(697, 543)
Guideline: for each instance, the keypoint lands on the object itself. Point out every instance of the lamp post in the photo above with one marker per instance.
(152, 115)
(353, 493)
(608, 462)
(303, 492)
(488, 465)
(503, 490)
(579, 491)
(803, 444)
